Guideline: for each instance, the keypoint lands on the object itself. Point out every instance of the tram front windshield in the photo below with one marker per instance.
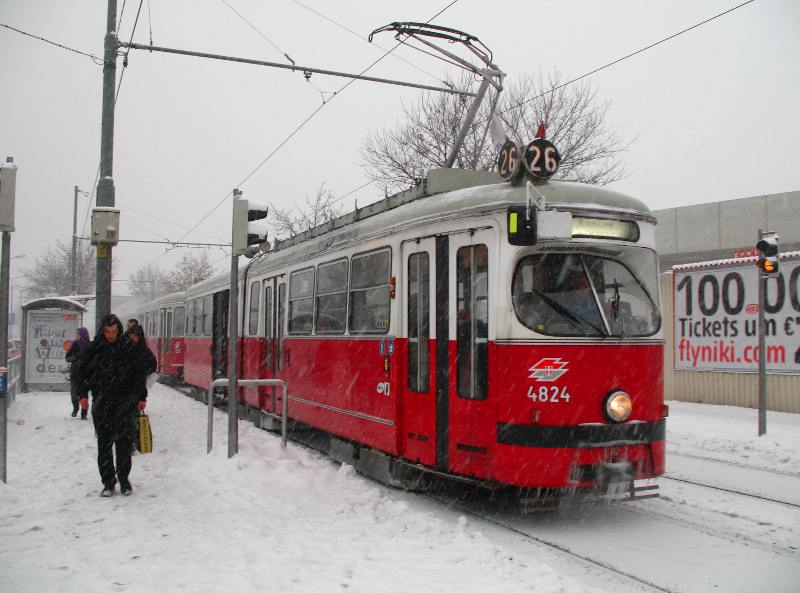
(587, 294)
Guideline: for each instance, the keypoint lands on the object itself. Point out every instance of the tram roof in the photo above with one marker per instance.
(447, 194)
(173, 297)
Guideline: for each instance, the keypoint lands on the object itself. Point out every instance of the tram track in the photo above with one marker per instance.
(539, 540)
(730, 491)
(736, 464)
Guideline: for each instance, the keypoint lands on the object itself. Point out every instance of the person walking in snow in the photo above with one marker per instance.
(77, 393)
(147, 361)
(110, 369)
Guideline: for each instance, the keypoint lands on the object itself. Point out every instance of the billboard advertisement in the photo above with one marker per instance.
(49, 335)
(716, 316)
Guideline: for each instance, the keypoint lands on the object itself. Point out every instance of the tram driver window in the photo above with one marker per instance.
(584, 295)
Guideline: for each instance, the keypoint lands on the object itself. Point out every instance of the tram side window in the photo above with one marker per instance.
(472, 321)
(178, 322)
(301, 301)
(198, 317)
(252, 320)
(331, 312)
(369, 292)
(190, 318)
(418, 322)
(208, 314)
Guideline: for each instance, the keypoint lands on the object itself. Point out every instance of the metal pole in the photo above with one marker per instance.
(73, 271)
(762, 351)
(248, 383)
(5, 262)
(233, 360)
(292, 67)
(476, 103)
(105, 186)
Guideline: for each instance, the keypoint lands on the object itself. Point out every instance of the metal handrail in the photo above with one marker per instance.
(14, 376)
(223, 382)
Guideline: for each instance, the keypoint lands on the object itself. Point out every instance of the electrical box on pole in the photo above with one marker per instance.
(249, 227)
(8, 188)
(105, 225)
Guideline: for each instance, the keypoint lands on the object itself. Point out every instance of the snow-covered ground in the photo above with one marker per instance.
(289, 520)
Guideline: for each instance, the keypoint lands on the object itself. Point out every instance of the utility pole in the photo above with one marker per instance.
(73, 272)
(105, 185)
(8, 185)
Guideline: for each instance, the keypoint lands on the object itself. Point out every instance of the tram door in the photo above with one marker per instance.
(167, 347)
(162, 341)
(419, 388)
(271, 345)
(471, 410)
(219, 332)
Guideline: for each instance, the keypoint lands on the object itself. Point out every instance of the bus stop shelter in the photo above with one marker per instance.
(48, 329)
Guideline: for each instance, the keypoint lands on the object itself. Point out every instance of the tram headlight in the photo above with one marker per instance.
(618, 406)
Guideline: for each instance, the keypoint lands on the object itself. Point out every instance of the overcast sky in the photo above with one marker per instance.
(712, 114)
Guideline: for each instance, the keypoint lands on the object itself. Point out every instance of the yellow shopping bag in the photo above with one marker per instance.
(145, 435)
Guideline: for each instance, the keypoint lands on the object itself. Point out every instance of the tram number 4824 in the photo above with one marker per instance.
(550, 394)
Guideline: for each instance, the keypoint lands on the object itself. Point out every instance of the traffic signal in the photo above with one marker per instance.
(8, 184)
(246, 228)
(768, 253)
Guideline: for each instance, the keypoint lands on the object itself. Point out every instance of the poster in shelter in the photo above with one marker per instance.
(49, 335)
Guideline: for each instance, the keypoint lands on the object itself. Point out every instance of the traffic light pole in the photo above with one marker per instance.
(762, 350)
(105, 185)
(762, 357)
(233, 359)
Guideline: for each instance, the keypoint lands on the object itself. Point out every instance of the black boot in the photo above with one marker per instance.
(74, 412)
(83, 414)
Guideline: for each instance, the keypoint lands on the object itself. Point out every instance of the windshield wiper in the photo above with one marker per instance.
(615, 310)
(571, 316)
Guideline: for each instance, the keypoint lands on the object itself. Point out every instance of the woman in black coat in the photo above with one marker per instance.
(110, 367)
(147, 362)
(76, 349)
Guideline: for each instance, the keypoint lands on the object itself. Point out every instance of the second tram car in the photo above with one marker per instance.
(505, 334)
(163, 321)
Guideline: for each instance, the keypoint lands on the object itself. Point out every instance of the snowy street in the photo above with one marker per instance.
(290, 520)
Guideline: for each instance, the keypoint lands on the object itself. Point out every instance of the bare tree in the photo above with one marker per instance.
(190, 270)
(319, 210)
(50, 273)
(574, 118)
(147, 282)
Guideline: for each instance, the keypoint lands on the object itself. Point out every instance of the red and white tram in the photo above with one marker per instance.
(163, 320)
(505, 334)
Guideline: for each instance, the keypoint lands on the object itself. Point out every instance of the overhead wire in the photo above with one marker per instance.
(257, 30)
(94, 58)
(297, 129)
(349, 30)
(630, 55)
